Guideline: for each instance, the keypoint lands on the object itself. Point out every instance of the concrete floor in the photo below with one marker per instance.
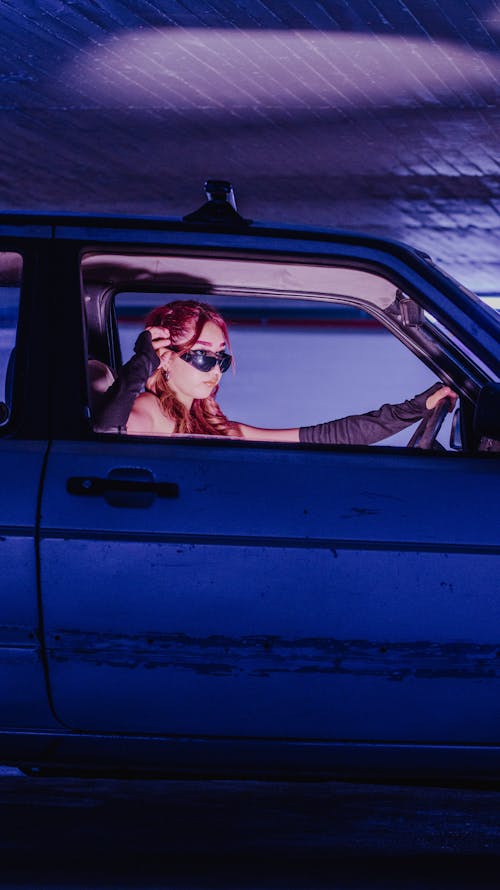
(76, 833)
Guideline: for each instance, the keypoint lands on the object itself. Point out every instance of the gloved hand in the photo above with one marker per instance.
(116, 403)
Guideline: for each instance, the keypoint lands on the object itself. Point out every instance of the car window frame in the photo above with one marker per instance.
(115, 354)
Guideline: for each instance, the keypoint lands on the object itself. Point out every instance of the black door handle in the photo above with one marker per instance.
(95, 486)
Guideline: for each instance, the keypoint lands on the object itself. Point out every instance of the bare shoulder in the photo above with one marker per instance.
(147, 418)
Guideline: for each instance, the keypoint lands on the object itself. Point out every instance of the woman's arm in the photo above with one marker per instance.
(115, 405)
(260, 434)
(358, 429)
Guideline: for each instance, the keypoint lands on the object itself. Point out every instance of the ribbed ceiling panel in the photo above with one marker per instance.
(374, 114)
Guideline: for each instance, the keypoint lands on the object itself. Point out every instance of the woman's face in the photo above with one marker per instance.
(186, 381)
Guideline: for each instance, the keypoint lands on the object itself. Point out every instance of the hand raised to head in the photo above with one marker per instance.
(160, 339)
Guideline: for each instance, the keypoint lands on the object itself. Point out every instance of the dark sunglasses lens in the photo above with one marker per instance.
(225, 362)
(202, 362)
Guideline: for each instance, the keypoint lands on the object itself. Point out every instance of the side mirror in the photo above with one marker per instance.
(487, 413)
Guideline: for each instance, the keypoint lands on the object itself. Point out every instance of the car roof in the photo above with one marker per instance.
(468, 315)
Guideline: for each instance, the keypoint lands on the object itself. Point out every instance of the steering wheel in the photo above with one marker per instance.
(425, 435)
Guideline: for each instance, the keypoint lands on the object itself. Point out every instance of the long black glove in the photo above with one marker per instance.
(365, 429)
(116, 403)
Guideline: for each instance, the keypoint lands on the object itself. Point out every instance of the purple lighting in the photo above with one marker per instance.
(256, 71)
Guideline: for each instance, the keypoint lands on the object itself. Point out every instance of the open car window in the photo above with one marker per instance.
(312, 341)
(297, 362)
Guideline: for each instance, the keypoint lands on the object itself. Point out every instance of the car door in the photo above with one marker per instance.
(202, 587)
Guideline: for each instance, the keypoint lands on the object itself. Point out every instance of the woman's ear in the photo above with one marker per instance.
(165, 360)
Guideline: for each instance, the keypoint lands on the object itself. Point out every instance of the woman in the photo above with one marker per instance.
(179, 361)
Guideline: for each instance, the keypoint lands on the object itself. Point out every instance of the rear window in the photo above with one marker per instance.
(10, 288)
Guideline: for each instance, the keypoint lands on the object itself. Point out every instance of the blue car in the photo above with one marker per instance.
(194, 604)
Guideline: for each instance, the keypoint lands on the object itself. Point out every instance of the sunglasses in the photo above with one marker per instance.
(203, 360)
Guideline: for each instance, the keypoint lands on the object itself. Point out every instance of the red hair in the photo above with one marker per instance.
(185, 319)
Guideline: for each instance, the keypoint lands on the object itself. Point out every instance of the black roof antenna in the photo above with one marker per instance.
(220, 206)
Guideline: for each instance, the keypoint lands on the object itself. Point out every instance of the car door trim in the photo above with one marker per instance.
(266, 542)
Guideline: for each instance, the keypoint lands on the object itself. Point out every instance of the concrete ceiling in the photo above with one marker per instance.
(379, 115)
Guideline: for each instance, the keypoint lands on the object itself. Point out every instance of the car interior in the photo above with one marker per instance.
(314, 340)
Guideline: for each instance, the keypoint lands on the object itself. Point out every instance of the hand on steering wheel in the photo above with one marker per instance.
(425, 435)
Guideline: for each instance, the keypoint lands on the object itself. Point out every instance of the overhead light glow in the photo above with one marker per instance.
(230, 71)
